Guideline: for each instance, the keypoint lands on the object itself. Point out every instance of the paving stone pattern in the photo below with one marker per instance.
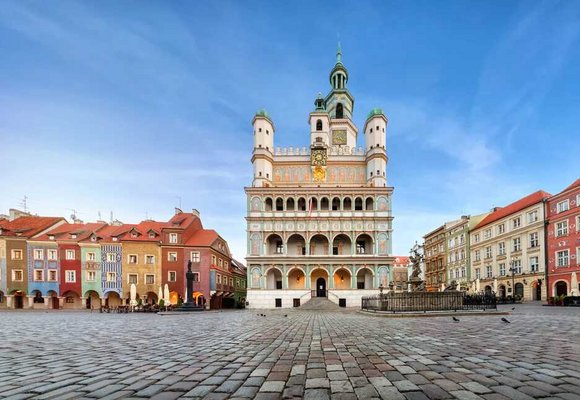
(308, 354)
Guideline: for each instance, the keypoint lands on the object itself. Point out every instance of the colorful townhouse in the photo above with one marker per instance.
(508, 249)
(212, 260)
(174, 257)
(15, 261)
(110, 255)
(434, 250)
(49, 263)
(563, 242)
(458, 250)
(141, 261)
(399, 273)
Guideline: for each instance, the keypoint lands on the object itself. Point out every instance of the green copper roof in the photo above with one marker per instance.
(338, 54)
(375, 111)
(262, 113)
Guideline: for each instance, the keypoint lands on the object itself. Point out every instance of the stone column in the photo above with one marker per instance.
(9, 301)
(307, 277)
(284, 277)
(83, 302)
(330, 276)
(47, 300)
(103, 302)
(61, 302)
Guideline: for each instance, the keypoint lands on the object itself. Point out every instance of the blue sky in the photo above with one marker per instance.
(129, 106)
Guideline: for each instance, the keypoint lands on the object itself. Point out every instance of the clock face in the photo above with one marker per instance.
(318, 157)
(339, 137)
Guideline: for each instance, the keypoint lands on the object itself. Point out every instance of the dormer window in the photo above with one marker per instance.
(73, 236)
(93, 238)
(115, 239)
(339, 111)
(173, 238)
(51, 237)
(134, 234)
(152, 235)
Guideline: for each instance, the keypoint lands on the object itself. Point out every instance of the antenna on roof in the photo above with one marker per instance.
(22, 204)
(111, 217)
(99, 214)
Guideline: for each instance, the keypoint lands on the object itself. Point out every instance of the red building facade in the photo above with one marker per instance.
(563, 241)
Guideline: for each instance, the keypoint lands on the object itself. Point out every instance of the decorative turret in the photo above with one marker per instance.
(375, 147)
(339, 102)
(319, 123)
(262, 156)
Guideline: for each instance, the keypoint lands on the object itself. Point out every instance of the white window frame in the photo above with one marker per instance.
(136, 276)
(516, 223)
(517, 266)
(501, 249)
(17, 254)
(488, 252)
(562, 206)
(52, 254)
(91, 276)
(169, 273)
(534, 264)
(132, 259)
(532, 216)
(149, 257)
(147, 280)
(477, 255)
(516, 244)
(488, 271)
(500, 229)
(70, 276)
(55, 275)
(172, 256)
(173, 238)
(563, 258)
(36, 273)
(214, 260)
(91, 256)
(534, 239)
(487, 233)
(195, 256)
(111, 257)
(502, 269)
(561, 228)
(477, 273)
(111, 276)
(69, 254)
(38, 254)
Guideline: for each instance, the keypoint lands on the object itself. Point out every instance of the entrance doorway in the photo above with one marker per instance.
(538, 291)
(18, 300)
(321, 287)
(561, 288)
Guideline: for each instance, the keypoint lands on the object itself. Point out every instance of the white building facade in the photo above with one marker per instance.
(319, 220)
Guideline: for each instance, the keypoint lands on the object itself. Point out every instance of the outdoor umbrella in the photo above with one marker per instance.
(574, 284)
(160, 294)
(133, 294)
(166, 295)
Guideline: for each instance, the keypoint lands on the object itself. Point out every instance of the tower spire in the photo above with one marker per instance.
(338, 54)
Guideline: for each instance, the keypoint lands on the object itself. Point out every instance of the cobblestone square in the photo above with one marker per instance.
(290, 354)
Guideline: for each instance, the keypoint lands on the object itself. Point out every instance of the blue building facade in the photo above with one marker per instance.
(43, 270)
(111, 263)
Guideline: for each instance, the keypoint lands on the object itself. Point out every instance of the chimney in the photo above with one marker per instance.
(195, 213)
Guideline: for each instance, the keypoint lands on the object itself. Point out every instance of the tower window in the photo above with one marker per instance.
(260, 173)
(371, 130)
(319, 125)
(267, 132)
(378, 128)
(339, 111)
(259, 129)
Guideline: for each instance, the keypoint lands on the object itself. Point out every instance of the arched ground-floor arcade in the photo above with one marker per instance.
(528, 287)
(292, 285)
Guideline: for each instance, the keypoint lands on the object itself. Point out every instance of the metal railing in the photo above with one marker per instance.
(428, 301)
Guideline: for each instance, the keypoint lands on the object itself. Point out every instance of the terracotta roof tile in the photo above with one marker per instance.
(142, 229)
(573, 185)
(203, 237)
(514, 207)
(63, 232)
(29, 226)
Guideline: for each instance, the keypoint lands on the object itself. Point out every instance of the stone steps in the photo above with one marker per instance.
(319, 303)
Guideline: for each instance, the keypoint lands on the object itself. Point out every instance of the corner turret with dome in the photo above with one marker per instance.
(319, 219)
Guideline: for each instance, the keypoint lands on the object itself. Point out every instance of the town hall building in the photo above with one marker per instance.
(319, 221)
